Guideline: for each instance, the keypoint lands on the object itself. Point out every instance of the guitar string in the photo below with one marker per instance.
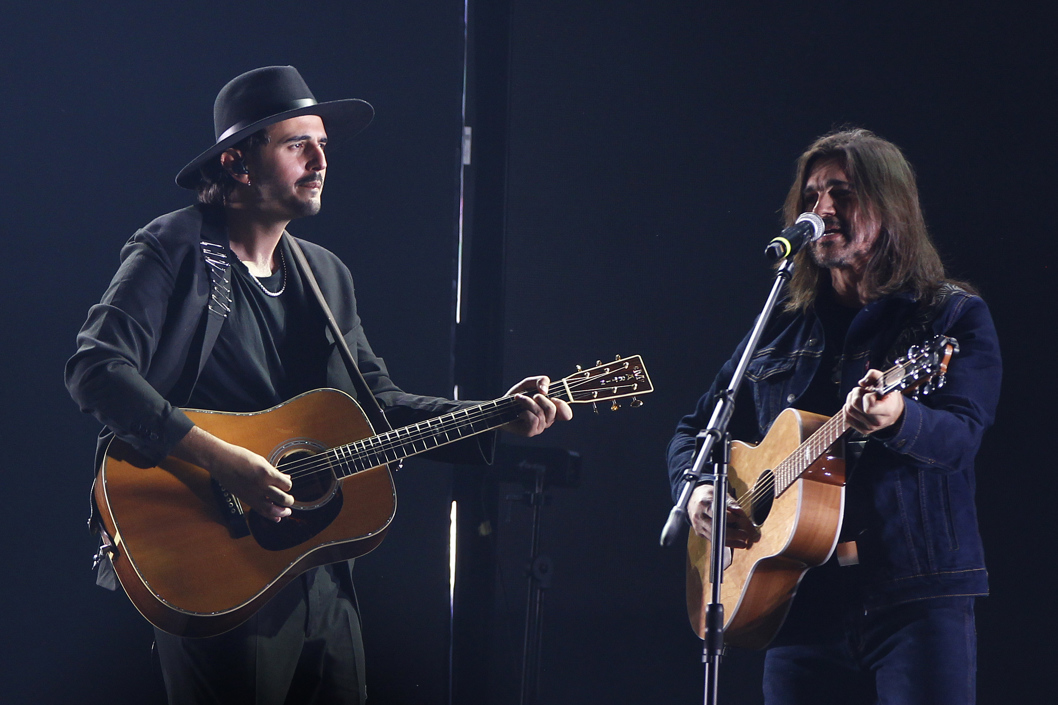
(375, 454)
(790, 470)
(425, 430)
(787, 471)
(430, 429)
(782, 477)
(347, 455)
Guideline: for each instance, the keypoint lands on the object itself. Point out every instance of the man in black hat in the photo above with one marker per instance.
(209, 309)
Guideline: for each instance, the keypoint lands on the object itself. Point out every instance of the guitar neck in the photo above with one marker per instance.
(795, 464)
(922, 370)
(417, 438)
(624, 377)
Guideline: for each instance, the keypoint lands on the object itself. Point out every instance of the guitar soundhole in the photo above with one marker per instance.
(762, 498)
(314, 483)
(317, 502)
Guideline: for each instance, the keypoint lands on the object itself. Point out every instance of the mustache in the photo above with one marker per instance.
(310, 180)
(832, 224)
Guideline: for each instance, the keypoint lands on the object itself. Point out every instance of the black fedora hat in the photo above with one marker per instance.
(263, 97)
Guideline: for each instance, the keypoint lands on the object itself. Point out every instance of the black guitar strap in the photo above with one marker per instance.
(367, 399)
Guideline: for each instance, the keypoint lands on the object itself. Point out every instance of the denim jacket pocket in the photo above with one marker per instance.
(928, 502)
(770, 380)
(778, 381)
(937, 510)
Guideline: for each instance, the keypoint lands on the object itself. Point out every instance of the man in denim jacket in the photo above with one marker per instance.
(895, 624)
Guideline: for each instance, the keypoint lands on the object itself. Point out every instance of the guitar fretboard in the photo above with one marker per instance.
(407, 441)
(625, 377)
(906, 375)
(787, 472)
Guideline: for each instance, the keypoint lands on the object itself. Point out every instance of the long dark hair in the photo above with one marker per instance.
(904, 257)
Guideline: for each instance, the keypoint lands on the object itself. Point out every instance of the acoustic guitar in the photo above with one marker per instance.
(196, 562)
(792, 487)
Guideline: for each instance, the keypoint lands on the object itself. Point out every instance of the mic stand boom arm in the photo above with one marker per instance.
(714, 432)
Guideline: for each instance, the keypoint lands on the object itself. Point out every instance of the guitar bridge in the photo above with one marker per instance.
(231, 508)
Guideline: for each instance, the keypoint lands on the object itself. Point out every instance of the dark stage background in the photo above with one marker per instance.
(650, 147)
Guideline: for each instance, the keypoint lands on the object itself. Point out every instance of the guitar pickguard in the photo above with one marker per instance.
(296, 529)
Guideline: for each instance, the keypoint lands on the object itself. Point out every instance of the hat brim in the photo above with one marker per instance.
(342, 118)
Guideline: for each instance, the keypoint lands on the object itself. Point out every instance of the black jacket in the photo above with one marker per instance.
(139, 351)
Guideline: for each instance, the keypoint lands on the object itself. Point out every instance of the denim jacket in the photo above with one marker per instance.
(910, 496)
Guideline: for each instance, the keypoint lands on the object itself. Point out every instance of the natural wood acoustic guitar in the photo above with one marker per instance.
(792, 487)
(196, 562)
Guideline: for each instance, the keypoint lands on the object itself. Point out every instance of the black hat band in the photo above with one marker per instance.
(274, 110)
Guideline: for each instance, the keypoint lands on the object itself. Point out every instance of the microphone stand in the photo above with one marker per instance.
(715, 442)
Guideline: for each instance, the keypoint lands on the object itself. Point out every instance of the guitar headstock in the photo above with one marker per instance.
(922, 370)
(624, 377)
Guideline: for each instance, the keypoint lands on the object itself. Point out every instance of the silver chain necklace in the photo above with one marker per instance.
(274, 294)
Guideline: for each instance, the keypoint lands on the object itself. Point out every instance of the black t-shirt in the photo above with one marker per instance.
(823, 395)
(270, 348)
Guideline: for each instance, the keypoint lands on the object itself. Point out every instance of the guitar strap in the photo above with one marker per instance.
(215, 256)
(367, 399)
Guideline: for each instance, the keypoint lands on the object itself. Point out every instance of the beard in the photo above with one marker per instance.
(831, 254)
(303, 209)
(290, 203)
(846, 248)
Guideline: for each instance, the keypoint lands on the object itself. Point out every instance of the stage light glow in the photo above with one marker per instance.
(452, 558)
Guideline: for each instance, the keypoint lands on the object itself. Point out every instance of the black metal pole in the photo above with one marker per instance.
(539, 576)
(715, 438)
(477, 358)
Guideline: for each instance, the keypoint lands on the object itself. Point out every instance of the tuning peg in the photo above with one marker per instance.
(636, 403)
(579, 368)
(595, 407)
(617, 357)
(615, 406)
(598, 362)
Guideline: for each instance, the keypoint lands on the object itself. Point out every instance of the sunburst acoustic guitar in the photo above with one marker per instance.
(195, 562)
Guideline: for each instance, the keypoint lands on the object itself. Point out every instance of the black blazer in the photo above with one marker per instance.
(141, 345)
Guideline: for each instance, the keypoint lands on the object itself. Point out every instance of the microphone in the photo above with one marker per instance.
(809, 227)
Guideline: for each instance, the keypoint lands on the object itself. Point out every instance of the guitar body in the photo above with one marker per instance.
(196, 562)
(798, 530)
(177, 555)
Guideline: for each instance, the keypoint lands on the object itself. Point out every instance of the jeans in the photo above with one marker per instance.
(831, 650)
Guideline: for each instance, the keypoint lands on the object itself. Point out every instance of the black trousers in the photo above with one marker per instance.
(303, 646)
